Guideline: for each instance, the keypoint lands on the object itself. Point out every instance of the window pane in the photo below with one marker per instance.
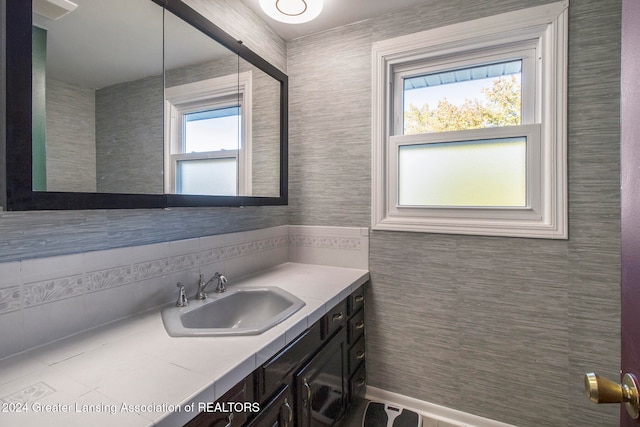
(470, 98)
(207, 176)
(212, 130)
(487, 173)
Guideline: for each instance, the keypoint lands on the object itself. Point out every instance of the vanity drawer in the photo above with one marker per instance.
(358, 384)
(335, 319)
(356, 326)
(277, 370)
(356, 300)
(356, 355)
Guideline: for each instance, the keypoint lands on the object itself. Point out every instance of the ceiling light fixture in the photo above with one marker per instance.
(292, 11)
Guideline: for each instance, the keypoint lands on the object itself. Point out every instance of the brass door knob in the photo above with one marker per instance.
(602, 390)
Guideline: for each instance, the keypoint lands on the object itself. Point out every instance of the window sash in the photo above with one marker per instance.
(182, 111)
(531, 133)
(198, 125)
(219, 154)
(525, 52)
(226, 185)
(462, 174)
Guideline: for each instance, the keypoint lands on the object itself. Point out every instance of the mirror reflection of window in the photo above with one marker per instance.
(207, 176)
(212, 130)
(208, 143)
(212, 139)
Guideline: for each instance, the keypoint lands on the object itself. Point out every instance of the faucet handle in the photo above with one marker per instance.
(221, 282)
(182, 296)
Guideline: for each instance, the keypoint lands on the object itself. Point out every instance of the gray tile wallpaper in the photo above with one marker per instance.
(71, 137)
(25, 235)
(503, 328)
(265, 120)
(130, 137)
(330, 127)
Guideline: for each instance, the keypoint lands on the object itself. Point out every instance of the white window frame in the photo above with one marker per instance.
(201, 96)
(539, 35)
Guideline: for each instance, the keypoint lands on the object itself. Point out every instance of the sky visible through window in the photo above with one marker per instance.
(212, 133)
(459, 99)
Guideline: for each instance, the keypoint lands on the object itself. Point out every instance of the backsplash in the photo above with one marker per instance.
(337, 246)
(45, 299)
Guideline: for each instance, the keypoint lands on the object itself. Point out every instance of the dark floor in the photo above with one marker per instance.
(353, 418)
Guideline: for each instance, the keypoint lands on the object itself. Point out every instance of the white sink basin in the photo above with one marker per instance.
(239, 311)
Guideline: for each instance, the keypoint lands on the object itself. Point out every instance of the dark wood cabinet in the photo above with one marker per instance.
(278, 412)
(278, 370)
(309, 383)
(321, 396)
(220, 413)
(356, 353)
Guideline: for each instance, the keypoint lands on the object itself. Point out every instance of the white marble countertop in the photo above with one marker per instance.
(132, 373)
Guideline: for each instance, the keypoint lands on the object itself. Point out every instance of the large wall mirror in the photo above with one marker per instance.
(138, 104)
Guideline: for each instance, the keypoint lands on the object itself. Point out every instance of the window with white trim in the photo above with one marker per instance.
(469, 127)
(208, 137)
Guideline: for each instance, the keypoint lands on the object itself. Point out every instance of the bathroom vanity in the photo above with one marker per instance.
(304, 371)
(311, 382)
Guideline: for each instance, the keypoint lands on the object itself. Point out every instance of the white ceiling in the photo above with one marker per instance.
(334, 14)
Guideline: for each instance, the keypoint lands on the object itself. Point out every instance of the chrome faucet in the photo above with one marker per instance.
(200, 295)
(182, 296)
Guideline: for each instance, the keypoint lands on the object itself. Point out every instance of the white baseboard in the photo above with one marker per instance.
(432, 411)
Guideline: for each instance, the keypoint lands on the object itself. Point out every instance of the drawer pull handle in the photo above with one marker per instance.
(358, 298)
(359, 382)
(338, 317)
(229, 420)
(360, 355)
(290, 412)
(360, 325)
(308, 388)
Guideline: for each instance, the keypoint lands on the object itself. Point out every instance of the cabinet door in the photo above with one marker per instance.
(279, 369)
(278, 412)
(241, 392)
(320, 385)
